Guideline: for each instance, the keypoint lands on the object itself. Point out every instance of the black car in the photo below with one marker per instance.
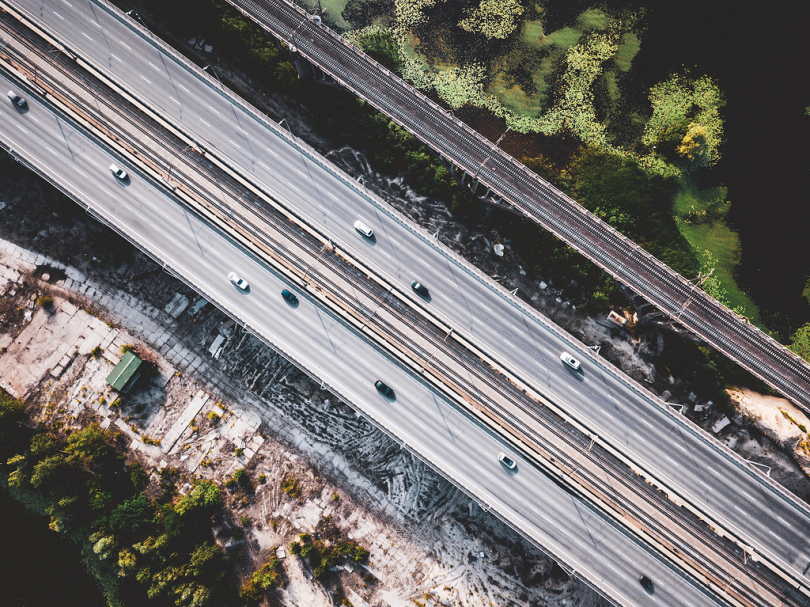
(419, 288)
(384, 389)
(647, 584)
(289, 296)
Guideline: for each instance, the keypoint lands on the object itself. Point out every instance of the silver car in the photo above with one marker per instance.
(570, 361)
(238, 281)
(363, 229)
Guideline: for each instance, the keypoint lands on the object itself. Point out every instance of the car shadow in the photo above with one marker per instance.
(291, 304)
(245, 291)
(578, 374)
(372, 240)
(427, 298)
(22, 110)
(124, 183)
(510, 471)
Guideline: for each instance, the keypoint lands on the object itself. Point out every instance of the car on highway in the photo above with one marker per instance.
(363, 229)
(384, 389)
(647, 584)
(289, 296)
(507, 461)
(570, 361)
(420, 288)
(238, 280)
(16, 99)
(118, 172)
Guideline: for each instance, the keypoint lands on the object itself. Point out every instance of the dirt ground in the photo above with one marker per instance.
(200, 417)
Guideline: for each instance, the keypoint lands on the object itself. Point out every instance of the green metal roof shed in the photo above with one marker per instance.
(124, 371)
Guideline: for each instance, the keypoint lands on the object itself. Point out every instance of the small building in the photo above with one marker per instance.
(125, 373)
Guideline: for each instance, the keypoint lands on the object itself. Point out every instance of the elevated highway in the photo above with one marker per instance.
(468, 291)
(535, 198)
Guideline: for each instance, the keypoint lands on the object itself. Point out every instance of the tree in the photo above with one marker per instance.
(131, 515)
(800, 342)
(492, 18)
(88, 444)
(12, 413)
(689, 108)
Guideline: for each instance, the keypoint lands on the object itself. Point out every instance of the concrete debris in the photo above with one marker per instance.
(720, 424)
(177, 305)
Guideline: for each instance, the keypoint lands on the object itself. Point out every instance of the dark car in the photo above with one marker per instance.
(384, 389)
(647, 584)
(289, 296)
(419, 288)
(16, 99)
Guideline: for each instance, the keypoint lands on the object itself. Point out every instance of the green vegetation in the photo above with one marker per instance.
(800, 342)
(327, 548)
(45, 301)
(264, 578)
(291, 486)
(142, 550)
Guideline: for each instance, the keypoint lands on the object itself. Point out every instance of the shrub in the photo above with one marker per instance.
(45, 301)
(239, 451)
(127, 348)
(213, 418)
(291, 487)
(239, 475)
(245, 521)
(96, 352)
(262, 479)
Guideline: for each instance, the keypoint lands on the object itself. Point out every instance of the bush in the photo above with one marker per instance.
(127, 348)
(45, 301)
(291, 487)
(96, 352)
(262, 479)
(245, 521)
(239, 451)
(213, 418)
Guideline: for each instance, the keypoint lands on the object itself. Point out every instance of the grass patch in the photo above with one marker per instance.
(533, 32)
(564, 38)
(629, 47)
(700, 216)
(806, 292)
(593, 19)
(334, 9)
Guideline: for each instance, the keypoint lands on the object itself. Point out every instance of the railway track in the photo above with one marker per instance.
(588, 469)
(536, 199)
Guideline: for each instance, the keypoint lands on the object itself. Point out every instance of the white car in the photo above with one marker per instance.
(238, 280)
(363, 229)
(16, 99)
(507, 461)
(570, 361)
(118, 172)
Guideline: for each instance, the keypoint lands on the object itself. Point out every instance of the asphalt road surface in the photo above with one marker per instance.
(432, 427)
(673, 450)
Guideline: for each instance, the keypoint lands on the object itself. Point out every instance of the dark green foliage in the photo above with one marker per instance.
(327, 549)
(362, 13)
(12, 413)
(382, 47)
(800, 342)
(88, 445)
(131, 515)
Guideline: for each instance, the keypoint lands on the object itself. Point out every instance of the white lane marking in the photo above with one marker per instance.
(304, 175)
(103, 189)
(51, 151)
(184, 88)
(145, 78)
(125, 44)
(638, 436)
(705, 485)
(481, 323)
(608, 414)
(736, 507)
(88, 37)
(423, 262)
(22, 129)
(442, 295)
(93, 162)
(80, 172)
(271, 151)
(486, 307)
(96, 23)
(672, 460)
(773, 534)
(713, 470)
(508, 342)
(204, 122)
(746, 495)
(154, 66)
(66, 2)
(234, 143)
(175, 100)
(783, 521)
(333, 196)
(58, 15)
(264, 165)
(518, 330)
(143, 218)
(646, 422)
(293, 187)
(383, 252)
(395, 242)
(299, 335)
(213, 110)
(682, 448)
(116, 58)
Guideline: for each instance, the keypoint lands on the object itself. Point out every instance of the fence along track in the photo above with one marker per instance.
(494, 386)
